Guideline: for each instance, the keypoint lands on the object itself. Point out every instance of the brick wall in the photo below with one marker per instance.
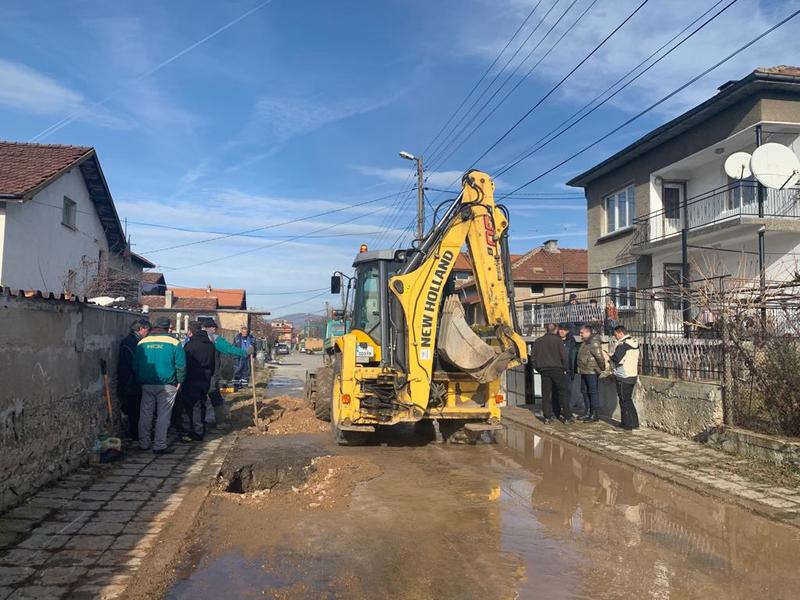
(51, 398)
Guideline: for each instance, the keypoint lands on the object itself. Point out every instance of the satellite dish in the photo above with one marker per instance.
(775, 166)
(737, 165)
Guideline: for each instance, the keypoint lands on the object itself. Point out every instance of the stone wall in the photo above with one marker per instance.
(52, 403)
(684, 408)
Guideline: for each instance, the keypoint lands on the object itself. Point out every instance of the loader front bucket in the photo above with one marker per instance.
(464, 349)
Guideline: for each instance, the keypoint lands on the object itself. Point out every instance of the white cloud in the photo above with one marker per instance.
(400, 174)
(28, 90)
(656, 23)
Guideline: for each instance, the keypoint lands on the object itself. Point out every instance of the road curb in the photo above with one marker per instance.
(529, 421)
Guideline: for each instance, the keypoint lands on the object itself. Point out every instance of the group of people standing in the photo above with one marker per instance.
(157, 373)
(559, 357)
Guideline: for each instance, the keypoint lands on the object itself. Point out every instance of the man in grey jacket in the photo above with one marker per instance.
(591, 363)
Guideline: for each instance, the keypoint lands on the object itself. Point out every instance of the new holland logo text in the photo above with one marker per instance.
(432, 298)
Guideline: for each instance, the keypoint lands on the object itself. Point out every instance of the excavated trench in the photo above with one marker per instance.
(269, 463)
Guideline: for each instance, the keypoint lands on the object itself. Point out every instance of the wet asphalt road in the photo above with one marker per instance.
(527, 518)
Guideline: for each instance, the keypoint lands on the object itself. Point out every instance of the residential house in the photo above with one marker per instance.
(544, 272)
(641, 199)
(59, 229)
(283, 331)
(153, 284)
(228, 307)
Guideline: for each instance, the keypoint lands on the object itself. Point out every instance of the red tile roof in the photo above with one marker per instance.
(25, 167)
(210, 303)
(235, 299)
(463, 262)
(541, 266)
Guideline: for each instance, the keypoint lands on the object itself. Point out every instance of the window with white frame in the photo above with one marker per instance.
(620, 209)
(69, 213)
(622, 281)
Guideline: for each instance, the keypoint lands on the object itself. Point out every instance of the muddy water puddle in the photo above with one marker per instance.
(531, 518)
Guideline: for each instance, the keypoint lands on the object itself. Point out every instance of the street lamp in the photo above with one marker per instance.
(420, 193)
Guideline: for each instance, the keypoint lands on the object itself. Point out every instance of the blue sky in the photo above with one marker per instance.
(300, 107)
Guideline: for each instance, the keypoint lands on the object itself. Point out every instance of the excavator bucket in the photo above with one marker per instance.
(464, 349)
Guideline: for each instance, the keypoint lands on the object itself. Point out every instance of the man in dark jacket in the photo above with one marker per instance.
(129, 391)
(244, 341)
(550, 359)
(568, 339)
(591, 362)
(200, 364)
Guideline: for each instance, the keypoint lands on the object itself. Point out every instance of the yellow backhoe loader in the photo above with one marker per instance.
(408, 355)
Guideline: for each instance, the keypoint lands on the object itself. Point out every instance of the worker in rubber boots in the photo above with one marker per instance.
(160, 369)
(222, 346)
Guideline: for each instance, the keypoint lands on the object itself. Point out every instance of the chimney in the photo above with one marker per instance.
(168, 298)
(551, 246)
(208, 288)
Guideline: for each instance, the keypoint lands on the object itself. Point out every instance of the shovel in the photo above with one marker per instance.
(107, 391)
(256, 419)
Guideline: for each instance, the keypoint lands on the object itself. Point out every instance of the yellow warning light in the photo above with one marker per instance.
(362, 248)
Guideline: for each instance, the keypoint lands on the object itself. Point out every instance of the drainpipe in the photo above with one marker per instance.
(762, 250)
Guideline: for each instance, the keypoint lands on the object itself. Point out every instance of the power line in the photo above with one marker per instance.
(76, 114)
(272, 226)
(561, 81)
(266, 246)
(471, 130)
(478, 83)
(661, 101)
(309, 299)
(544, 141)
(439, 148)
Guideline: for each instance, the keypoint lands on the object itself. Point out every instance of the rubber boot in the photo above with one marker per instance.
(219, 417)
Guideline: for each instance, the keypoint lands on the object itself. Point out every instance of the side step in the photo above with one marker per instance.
(358, 428)
(479, 427)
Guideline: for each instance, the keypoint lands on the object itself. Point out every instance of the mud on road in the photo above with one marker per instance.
(295, 516)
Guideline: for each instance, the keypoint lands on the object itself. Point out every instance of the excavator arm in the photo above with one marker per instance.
(475, 219)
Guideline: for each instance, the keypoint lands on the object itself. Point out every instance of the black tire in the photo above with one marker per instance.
(323, 393)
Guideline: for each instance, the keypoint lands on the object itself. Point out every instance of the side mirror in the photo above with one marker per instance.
(336, 284)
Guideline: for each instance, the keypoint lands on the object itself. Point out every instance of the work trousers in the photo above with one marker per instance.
(554, 392)
(131, 404)
(589, 391)
(157, 402)
(629, 416)
(242, 368)
(193, 405)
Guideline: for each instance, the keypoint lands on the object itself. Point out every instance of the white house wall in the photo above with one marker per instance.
(38, 251)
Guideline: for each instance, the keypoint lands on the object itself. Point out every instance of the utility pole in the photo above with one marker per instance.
(420, 193)
(420, 201)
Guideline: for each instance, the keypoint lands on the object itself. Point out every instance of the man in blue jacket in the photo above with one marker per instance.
(244, 341)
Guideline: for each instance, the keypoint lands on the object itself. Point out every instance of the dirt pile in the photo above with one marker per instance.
(287, 415)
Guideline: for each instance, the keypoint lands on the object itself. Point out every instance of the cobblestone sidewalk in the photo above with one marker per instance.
(85, 536)
(678, 460)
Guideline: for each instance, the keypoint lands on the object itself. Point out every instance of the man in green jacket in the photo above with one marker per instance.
(160, 369)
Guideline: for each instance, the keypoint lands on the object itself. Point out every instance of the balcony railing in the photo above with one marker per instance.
(717, 206)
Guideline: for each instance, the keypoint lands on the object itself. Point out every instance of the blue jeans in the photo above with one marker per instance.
(590, 393)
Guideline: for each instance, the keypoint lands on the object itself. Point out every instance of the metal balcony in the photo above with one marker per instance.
(728, 205)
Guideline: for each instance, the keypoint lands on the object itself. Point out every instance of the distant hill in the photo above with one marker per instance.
(298, 319)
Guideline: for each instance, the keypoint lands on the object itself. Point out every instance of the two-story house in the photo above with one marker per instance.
(59, 229)
(642, 199)
(546, 272)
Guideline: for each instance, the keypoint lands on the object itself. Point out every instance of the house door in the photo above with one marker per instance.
(673, 195)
